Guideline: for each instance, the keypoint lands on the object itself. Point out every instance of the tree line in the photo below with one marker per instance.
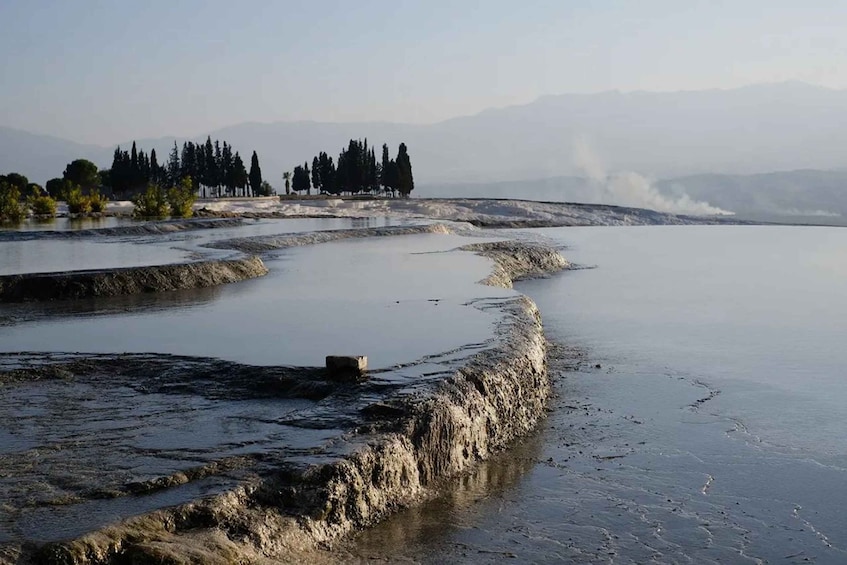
(356, 171)
(205, 169)
(213, 167)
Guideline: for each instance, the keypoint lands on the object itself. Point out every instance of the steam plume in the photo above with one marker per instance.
(633, 189)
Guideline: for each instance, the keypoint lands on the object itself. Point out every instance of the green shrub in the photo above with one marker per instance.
(265, 189)
(41, 204)
(152, 203)
(10, 203)
(78, 203)
(181, 199)
(97, 201)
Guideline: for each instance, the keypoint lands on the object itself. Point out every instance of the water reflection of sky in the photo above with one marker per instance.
(45, 252)
(712, 432)
(392, 299)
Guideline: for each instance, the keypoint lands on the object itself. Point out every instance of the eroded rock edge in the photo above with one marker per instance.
(39, 287)
(496, 398)
(43, 287)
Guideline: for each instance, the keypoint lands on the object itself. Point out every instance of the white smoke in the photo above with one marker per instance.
(633, 189)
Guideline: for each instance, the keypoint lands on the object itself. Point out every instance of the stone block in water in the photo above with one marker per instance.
(346, 366)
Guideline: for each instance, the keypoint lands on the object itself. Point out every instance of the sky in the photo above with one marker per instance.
(103, 72)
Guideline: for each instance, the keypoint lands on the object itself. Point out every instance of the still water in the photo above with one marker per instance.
(28, 250)
(68, 224)
(71, 449)
(712, 431)
(394, 299)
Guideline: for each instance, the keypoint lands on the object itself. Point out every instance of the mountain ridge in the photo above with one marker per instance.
(745, 130)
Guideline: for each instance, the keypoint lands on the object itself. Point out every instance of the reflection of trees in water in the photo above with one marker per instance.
(362, 222)
(411, 531)
(36, 228)
(371, 222)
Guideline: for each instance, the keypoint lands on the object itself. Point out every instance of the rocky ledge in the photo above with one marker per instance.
(264, 243)
(515, 261)
(40, 287)
(407, 446)
(131, 280)
(142, 228)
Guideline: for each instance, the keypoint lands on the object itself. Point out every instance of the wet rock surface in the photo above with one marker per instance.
(481, 212)
(264, 243)
(151, 228)
(516, 261)
(295, 460)
(561, 214)
(68, 285)
(130, 280)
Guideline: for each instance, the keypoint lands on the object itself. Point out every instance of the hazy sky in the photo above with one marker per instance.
(108, 71)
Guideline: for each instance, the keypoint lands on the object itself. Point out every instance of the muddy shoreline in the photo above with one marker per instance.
(404, 448)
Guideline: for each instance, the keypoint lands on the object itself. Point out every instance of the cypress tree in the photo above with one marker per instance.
(119, 171)
(341, 173)
(200, 166)
(226, 169)
(373, 173)
(172, 172)
(255, 174)
(384, 169)
(190, 166)
(218, 168)
(154, 168)
(143, 170)
(209, 172)
(134, 170)
(327, 175)
(357, 170)
(239, 174)
(297, 179)
(392, 177)
(300, 180)
(364, 166)
(317, 182)
(405, 183)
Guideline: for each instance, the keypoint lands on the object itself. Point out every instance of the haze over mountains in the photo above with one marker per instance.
(754, 129)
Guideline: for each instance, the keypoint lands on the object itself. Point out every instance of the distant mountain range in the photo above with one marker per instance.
(743, 131)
